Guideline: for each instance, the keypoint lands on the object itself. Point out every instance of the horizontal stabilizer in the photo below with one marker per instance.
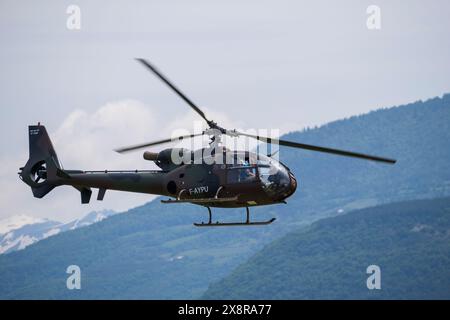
(101, 194)
(85, 194)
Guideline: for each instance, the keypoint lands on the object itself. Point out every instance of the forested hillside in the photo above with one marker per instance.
(153, 251)
(409, 241)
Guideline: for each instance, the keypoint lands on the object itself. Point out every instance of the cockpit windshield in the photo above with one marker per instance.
(274, 177)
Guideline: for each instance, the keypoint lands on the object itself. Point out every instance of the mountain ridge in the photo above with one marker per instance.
(154, 252)
(25, 231)
(409, 242)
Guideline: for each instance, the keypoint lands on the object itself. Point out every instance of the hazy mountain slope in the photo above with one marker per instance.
(154, 251)
(409, 241)
(22, 231)
(17, 221)
(18, 239)
(417, 135)
(137, 254)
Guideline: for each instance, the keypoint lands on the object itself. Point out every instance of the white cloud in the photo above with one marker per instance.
(87, 140)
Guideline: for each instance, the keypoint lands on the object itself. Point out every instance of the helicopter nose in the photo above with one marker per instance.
(293, 183)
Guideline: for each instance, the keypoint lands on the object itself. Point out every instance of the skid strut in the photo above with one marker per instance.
(229, 224)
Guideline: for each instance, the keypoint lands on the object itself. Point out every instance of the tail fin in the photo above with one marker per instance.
(41, 170)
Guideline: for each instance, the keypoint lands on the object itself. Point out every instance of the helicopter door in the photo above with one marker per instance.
(201, 177)
(243, 181)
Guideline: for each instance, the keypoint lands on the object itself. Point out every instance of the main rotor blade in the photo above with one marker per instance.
(320, 149)
(154, 143)
(166, 81)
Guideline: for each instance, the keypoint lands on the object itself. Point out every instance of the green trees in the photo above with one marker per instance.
(409, 241)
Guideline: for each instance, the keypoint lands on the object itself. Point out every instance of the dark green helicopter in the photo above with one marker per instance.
(222, 178)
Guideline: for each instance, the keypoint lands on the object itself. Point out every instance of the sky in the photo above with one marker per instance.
(248, 64)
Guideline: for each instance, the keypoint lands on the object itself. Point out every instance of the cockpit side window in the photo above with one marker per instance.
(241, 174)
(264, 173)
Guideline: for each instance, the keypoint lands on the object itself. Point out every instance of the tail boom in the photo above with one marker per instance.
(43, 172)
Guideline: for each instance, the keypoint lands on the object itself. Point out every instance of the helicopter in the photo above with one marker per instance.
(246, 179)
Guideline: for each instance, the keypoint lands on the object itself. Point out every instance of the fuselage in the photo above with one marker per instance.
(221, 178)
(253, 179)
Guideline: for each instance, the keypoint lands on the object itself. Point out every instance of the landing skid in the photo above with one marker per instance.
(202, 201)
(230, 224)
